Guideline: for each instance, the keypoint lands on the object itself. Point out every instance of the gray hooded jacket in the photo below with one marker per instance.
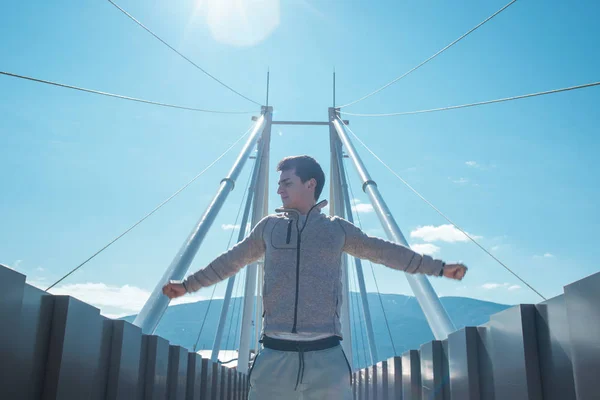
(302, 290)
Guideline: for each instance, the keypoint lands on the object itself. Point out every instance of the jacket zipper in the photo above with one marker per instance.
(289, 232)
(294, 328)
(299, 242)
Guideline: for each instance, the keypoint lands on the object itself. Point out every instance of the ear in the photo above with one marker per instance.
(312, 183)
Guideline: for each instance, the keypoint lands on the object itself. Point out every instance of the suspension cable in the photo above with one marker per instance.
(238, 279)
(151, 212)
(481, 103)
(237, 332)
(387, 324)
(361, 319)
(235, 309)
(180, 54)
(432, 57)
(228, 244)
(355, 319)
(438, 211)
(118, 96)
(212, 295)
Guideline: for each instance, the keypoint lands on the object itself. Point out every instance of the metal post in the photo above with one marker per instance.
(359, 269)
(230, 282)
(157, 303)
(258, 212)
(261, 265)
(337, 208)
(258, 308)
(436, 315)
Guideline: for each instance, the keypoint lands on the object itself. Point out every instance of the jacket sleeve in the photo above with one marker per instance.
(231, 262)
(392, 255)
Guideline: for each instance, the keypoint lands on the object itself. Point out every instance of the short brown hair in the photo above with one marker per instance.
(306, 168)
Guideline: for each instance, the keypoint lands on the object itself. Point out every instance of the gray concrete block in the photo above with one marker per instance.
(382, 379)
(155, 354)
(373, 374)
(583, 312)
(124, 369)
(33, 343)
(360, 384)
(177, 373)
(228, 394)
(194, 377)
(485, 354)
(411, 375)
(235, 383)
(464, 364)
(206, 379)
(223, 371)
(74, 350)
(12, 285)
(367, 384)
(216, 382)
(432, 370)
(515, 358)
(394, 378)
(101, 376)
(445, 370)
(554, 347)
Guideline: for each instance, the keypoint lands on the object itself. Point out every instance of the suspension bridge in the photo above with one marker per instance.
(57, 347)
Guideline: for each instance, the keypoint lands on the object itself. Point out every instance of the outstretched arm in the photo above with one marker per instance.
(394, 255)
(227, 264)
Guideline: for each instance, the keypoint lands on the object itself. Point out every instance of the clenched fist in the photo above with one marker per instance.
(455, 271)
(173, 290)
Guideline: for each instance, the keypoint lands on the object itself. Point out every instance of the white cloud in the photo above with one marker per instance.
(546, 255)
(362, 207)
(425, 248)
(472, 164)
(505, 285)
(461, 181)
(489, 286)
(109, 299)
(495, 248)
(40, 269)
(117, 301)
(229, 227)
(443, 233)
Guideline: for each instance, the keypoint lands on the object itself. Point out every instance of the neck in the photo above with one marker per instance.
(305, 209)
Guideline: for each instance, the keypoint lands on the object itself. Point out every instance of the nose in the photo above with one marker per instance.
(280, 190)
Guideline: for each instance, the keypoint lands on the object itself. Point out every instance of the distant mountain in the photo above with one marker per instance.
(181, 324)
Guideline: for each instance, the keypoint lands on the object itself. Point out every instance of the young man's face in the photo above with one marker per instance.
(294, 193)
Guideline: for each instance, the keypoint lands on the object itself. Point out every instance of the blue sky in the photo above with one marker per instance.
(78, 169)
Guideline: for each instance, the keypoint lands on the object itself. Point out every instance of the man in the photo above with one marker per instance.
(302, 295)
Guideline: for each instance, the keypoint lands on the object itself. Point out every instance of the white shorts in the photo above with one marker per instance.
(326, 375)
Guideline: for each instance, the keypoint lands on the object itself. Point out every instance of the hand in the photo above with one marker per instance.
(455, 271)
(173, 290)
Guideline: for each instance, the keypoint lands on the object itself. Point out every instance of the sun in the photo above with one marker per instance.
(240, 22)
